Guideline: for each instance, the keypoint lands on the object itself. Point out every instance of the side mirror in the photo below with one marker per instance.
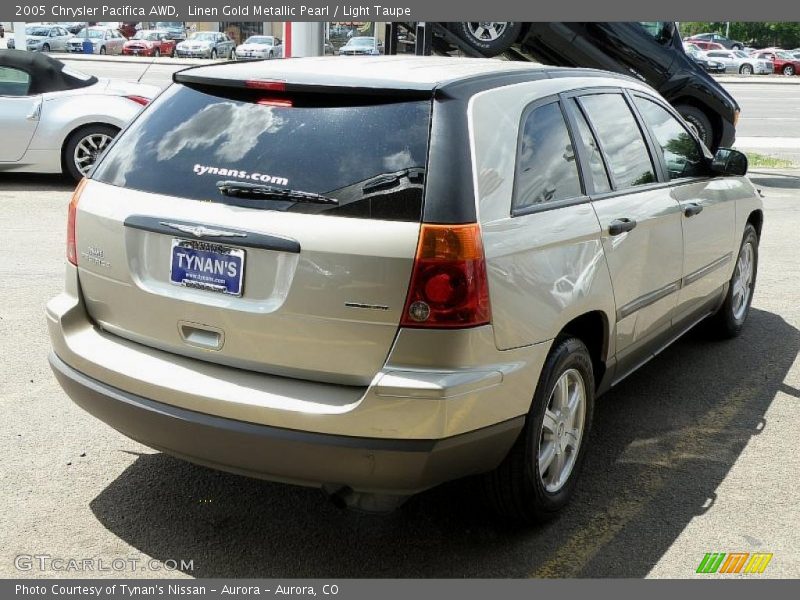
(728, 161)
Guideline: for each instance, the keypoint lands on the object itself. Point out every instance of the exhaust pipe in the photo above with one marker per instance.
(346, 498)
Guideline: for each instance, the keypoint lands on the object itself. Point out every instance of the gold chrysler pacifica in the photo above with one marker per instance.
(373, 281)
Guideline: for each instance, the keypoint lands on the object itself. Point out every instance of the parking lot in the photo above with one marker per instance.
(692, 454)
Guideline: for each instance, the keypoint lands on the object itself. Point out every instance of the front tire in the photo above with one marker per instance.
(213, 54)
(102, 50)
(729, 320)
(84, 146)
(156, 53)
(46, 48)
(539, 475)
(699, 122)
(746, 69)
(490, 38)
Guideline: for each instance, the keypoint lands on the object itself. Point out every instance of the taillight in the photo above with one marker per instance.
(72, 250)
(448, 286)
(139, 100)
(273, 85)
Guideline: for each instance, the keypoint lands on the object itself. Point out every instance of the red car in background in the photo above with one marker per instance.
(705, 45)
(783, 62)
(149, 42)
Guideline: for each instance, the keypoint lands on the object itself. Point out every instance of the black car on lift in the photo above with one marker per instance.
(650, 51)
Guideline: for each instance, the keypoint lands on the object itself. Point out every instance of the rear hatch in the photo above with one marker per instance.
(263, 230)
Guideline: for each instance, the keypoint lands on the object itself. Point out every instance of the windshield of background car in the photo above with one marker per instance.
(170, 24)
(259, 39)
(93, 33)
(363, 41)
(368, 154)
(39, 31)
(203, 37)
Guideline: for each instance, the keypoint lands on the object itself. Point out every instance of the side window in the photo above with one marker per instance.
(683, 156)
(546, 167)
(14, 82)
(596, 166)
(621, 140)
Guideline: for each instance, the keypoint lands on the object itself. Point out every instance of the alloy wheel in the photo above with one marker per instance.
(562, 430)
(743, 281)
(88, 149)
(487, 31)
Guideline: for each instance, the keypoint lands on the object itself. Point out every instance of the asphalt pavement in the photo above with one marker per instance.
(694, 453)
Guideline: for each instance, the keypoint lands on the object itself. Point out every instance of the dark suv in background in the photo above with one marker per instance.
(649, 51)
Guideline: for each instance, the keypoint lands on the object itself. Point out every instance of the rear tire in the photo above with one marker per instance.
(213, 54)
(490, 38)
(788, 70)
(81, 142)
(698, 121)
(156, 53)
(729, 320)
(538, 477)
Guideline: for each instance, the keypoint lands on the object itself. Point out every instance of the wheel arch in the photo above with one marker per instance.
(594, 330)
(756, 219)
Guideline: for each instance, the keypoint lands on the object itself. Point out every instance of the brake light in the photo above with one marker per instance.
(449, 288)
(72, 250)
(281, 102)
(272, 85)
(139, 100)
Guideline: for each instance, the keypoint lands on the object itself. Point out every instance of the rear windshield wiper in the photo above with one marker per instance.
(389, 180)
(240, 189)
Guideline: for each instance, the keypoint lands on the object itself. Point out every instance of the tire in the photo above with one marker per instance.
(100, 134)
(490, 38)
(156, 53)
(517, 489)
(271, 56)
(746, 69)
(102, 50)
(45, 47)
(788, 70)
(737, 47)
(213, 54)
(172, 54)
(698, 121)
(729, 320)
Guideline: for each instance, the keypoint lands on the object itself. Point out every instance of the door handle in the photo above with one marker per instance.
(692, 209)
(621, 226)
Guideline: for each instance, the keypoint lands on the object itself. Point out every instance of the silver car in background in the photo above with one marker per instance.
(43, 38)
(105, 40)
(259, 46)
(737, 61)
(206, 44)
(260, 288)
(55, 119)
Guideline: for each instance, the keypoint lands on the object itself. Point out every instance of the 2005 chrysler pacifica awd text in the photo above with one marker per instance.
(375, 280)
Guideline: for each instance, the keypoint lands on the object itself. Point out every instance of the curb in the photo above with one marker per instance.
(759, 79)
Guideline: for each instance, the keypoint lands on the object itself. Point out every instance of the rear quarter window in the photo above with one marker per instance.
(369, 157)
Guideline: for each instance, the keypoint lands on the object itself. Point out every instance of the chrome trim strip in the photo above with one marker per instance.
(648, 299)
(656, 295)
(703, 271)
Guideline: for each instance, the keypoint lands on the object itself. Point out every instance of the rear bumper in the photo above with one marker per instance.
(375, 465)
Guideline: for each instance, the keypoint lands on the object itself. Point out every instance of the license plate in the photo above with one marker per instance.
(207, 266)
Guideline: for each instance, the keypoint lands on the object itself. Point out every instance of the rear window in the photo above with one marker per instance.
(370, 157)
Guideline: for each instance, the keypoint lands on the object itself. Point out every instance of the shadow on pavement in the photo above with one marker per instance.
(662, 442)
(26, 182)
(775, 180)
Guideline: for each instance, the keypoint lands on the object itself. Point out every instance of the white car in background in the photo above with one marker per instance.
(740, 62)
(259, 46)
(54, 119)
(105, 40)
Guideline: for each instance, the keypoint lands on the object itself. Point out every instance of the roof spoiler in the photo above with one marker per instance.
(391, 90)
